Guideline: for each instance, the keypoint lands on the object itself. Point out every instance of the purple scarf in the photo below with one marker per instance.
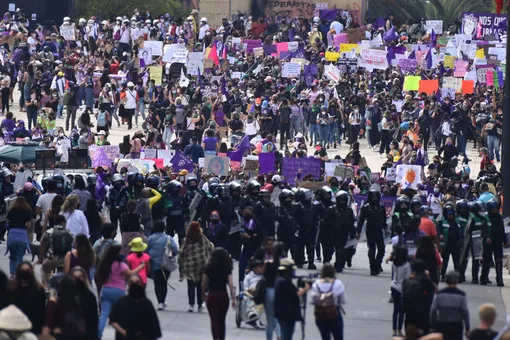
(249, 225)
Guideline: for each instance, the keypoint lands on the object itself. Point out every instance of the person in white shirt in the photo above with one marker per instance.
(59, 84)
(44, 201)
(5, 92)
(32, 41)
(253, 312)
(203, 28)
(251, 126)
(252, 278)
(131, 100)
(76, 221)
(321, 288)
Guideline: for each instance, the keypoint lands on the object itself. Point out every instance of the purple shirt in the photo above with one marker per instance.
(210, 143)
(219, 117)
(8, 124)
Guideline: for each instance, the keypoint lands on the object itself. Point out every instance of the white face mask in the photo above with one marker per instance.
(356, 111)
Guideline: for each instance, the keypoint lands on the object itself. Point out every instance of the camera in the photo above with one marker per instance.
(303, 279)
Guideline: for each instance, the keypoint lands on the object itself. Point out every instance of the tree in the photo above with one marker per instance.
(109, 9)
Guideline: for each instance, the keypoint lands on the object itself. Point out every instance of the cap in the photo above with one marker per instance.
(28, 186)
(60, 74)
(183, 172)
(130, 84)
(102, 133)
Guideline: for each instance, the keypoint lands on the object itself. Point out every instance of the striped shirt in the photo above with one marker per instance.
(449, 306)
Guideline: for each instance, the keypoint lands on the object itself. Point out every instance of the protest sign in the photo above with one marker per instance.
(155, 46)
(258, 51)
(452, 83)
(500, 52)
(216, 165)
(481, 73)
(149, 153)
(409, 176)
(447, 93)
(449, 61)
(341, 38)
(68, 31)
(436, 25)
(251, 44)
(179, 161)
(195, 63)
(429, 86)
(145, 57)
(179, 56)
(332, 72)
(157, 162)
(267, 161)
(103, 155)
(170, 50)
(386, 201)
(480, 25)
(344, 171)
(166, 156)
(411, 83)
(347, 47)
(373, 59)
(391, 174)
(291, 70)
(136, 165)
(348, 64)
(291, 167)
(332, 56)
(408, 65)
(251, 166)
(468, 86)
(460, 68)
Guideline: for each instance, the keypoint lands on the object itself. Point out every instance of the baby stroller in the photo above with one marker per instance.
(248, 312)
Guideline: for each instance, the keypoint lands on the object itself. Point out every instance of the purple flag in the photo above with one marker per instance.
(179, 161)
(428, 58)
(267, 161)
(237, 154)
(309, 72)
(390, 35)
(268, 49)
(412, 55)
(390, 55)
(433, 39)
(329, 14)
(379, 22)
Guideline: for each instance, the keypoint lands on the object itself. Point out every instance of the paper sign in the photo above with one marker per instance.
(468, 86)
(145, 57)
(373, 59)
(429, 86)
(436, 25)
(408, 65)
(409, 176)
(195, 63)
(460, 68)
(447, 93)
(155, 46)
(258, 51)
(449, 61)
(166, 156)
(12, 7)
(452, 83)
(291, 70)
(136, 165)
(347, 47)
(480, 54)
(332, 56)
(216, 165)
(332, 72)
(170, 50)
(68, 32)
(412, 83)
(156, 73)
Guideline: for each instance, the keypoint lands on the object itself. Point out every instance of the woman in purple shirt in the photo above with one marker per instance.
(8, 122)
(210, 143)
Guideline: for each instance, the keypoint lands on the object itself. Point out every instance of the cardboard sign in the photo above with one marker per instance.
(68, 31)
(373, 59)
(216, 165)
(291, 70)
(332, 72)
(195, 63)
(408, 175)
(412, 83)
(155, 46)
(436, 25)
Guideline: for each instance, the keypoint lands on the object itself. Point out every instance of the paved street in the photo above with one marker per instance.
(368, 312)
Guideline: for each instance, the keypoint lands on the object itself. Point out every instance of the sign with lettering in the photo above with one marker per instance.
(480, 25)
(374, 59)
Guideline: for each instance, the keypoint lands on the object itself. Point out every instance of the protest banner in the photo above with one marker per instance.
(412, 83)
(216, 165)
(332, 72)
(373, 59)
(68, 31)
(460, 68)
(429, 86)
(408, 65)
(136, 165)
(103, 155)
(291, 167)
(480, 25)
(195, 63)
(267, 162)
(291, 70)
(409, 176)
(155, 46)
(179, 161)
(145, 57)
(436, 25)
(251, 44)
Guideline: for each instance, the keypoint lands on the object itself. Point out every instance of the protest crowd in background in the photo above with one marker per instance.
(230, 132)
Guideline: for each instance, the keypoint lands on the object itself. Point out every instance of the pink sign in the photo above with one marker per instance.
(341, 38)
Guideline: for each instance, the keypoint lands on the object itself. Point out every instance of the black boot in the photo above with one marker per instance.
(474, 271)
(310, 253)
(484, 277)
(499, 272)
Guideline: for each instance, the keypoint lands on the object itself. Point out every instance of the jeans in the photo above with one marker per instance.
(493, 145)
(461, 143)
(295, 123)
(272, 324)
(167, 135)
(160, 284)
(398, 309)
(217, 305)
(353, 133)
(314, 133)
(192, 287)
(287, 328)
(71, 114)
(31, 116)
(334, 135)
(109, 295)
(324, 134)
(89, 97)
(140, 110)
(331, 327)
(80, 95)
(16, 252)
(60, 107)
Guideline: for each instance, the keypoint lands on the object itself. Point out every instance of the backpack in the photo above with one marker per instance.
(144, 210)
(103, 247)
(169, 260)
(117, 35)
(325, 306)
(259, 295)
(101, 119)
(62, 242)
(67, 95)
(75, 323)
(414, 297)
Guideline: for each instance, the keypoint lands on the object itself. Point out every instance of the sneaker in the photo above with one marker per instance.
(190, 309)
(161, 306)
(200, 308)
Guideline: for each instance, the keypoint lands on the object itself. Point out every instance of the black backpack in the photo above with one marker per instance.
(62, 242)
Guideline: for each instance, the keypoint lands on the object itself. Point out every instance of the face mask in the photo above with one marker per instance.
(247, 217)
(214, 220)
(436, 190)
(136, 291)
(448, 143)
(25, 275)
(356, 111)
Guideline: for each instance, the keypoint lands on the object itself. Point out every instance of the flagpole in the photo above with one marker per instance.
(505, 159)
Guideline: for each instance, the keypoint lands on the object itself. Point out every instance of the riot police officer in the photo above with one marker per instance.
(498, 241)
(175, 216)
(451, 233)
(287, 225)
(252, 195)
(343, 227)
(415, 206)
(324, 228)
(115, 205)
(374, 213)
(305, 216)
(265, 210)
(401, 215)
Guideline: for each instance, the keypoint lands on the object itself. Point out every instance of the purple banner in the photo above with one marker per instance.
(267, 162)
(386, 201)
(251, 44)
(269, 49)
(291, 167)
(479, 25)
(309, 73)
(408, 65)
(180, 161)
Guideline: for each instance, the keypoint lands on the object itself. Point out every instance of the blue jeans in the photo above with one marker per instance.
(89, 97)
(493, 145)
(314, 132)
(331, 327)
(16, 252)
(295, 123)
(31, 116)
(272, 324)
(140, 110)
(334, 135)
(461, 143)
(324, 133)
(80, 95)
(109, 295)
(287, 329)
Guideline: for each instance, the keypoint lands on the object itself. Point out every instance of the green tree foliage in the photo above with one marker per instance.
(110, 9)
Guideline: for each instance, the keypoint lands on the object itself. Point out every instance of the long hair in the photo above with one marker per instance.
(70, 203)
(194, 233)
(219, 261)
(400, 256)
(86, 255)
(21, 205)
(56, 205)
(83, 273)
(33, 280)
(91, 208)
(426, 250)
(105, 266)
